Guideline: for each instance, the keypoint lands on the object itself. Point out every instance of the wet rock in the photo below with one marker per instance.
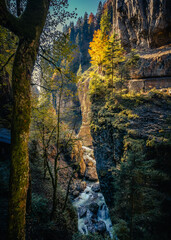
(101, 227)
(94, 196)
(77, 157)
(90, 162)
(76, 193)
(91, 174)
(93, 207)
(91, 228)
(96, 187)
(94, 219)
(81, 186)
(89, 215)
(82, 212)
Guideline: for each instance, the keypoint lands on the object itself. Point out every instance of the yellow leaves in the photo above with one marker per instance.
(97, 48)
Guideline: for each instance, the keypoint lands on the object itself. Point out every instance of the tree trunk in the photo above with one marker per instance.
(19, 177)
(54, 206)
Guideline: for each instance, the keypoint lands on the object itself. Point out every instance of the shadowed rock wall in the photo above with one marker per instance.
(143, 23)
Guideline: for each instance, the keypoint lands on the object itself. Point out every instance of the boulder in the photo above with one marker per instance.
(77, 157)
(93, 207)
(96, 187)
(82, 212)
(76, 193)
(100, 227)
(91, 228)
(81, 186)
(91, 174)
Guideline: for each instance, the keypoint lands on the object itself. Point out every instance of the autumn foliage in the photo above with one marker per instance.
(97, 48)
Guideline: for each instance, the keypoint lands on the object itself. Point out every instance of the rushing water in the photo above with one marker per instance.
(93, 213)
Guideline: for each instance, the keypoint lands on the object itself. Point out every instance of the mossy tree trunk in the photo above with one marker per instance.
(28, 28)
(19, 178)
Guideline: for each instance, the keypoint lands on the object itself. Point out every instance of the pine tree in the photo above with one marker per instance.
(105, 24)
(85, 27)
(114, 55)
(137, 200)
(98, 15)
(72, 32)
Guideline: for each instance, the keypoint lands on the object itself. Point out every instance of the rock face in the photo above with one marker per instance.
(149, 122)
(84, 133)
(146, 26)
(77, 157)
(143, 23)
(153, 71)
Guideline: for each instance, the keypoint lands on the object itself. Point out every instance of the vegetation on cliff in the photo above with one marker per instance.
(139, 167)
(52, 159)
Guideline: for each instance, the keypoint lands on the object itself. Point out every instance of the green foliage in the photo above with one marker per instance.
(40, 207)
(105, 24)
(114, 56)
(8, 43)
(122, 230)
(97, 85)
(95, 236)
(141, 153)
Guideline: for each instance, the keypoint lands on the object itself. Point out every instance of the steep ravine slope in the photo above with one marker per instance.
(119, 126)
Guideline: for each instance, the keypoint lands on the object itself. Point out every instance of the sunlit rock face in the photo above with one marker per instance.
(153, 70)
(84, 133)
(77, 156)
(146, 26)
(143, 23)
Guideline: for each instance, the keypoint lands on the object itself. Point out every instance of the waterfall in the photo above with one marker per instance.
(93, 213)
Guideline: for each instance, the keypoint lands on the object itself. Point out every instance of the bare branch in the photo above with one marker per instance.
(36, 84)
(7, 62)
(50, 61)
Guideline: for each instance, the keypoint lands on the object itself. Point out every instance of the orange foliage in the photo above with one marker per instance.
(91, 18)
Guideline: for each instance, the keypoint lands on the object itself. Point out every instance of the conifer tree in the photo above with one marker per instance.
(85, 26)
(137, 200)
(114, 55)
(98, 15)
(105, 24)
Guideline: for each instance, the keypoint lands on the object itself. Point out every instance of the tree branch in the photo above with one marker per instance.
(30, 23)
(7, 62)
(18, 2)
(50, 61)
(36, 84)
(7, 20)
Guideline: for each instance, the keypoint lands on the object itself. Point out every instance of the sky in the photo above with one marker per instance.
(84, 6)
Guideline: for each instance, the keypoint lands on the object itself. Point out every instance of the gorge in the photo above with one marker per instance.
(100, 133)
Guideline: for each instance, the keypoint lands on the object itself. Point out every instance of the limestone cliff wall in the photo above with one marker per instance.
(84, 133)
(153, 71)
(143, 23)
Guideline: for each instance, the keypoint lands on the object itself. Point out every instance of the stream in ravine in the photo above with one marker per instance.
(93, 213)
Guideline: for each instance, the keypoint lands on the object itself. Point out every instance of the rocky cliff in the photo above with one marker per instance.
(83, 89)
(145, 116)
(153, 71)
(143, 23)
